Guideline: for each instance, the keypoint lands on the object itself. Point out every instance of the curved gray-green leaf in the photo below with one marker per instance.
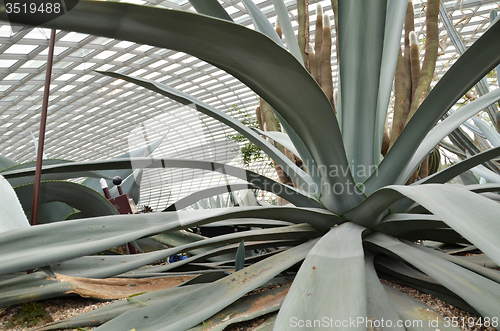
(41, 245)
(361, 31)
(195, 307)
(11, 212)
(447, 174)
(52, 212)
(261, 22)
(5, 162)
(209, 192)
(379, 307)
(94, 183)
(78, 196)
(210, 8)
(444, 128)
(481, 293)
(299, 197)
(488, 131)
(483, 232)
(302, 178)
(397, 224)
(279, 78)
(280, 137)
(396, 11)
(331, 281)
(30, 179)
(473, 65)
(286, 24)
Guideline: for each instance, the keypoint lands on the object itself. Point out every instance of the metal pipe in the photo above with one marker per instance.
(43, 124)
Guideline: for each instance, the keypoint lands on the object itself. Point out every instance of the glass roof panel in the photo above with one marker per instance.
(7, 63)
(105, 117)
(20, 49)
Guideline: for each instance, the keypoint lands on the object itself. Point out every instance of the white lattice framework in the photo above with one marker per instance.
(92, 116)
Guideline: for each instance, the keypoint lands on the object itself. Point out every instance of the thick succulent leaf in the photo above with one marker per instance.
(480, 260)
(95, 184)
(492, 136)
(247, 308)
(481, 293)
(483, 232)
(279, 78)
(35, 143)
(259, 181)
(286, 24)
(457, 41)
(400, 270)
(194, 307)
(399, 223)
(396, 11)
(302, 178)
(472, 66)
(379, 307)
(408, 275)
(210, 8)
(52, 212)
(411, 277)
(261, 22)
(32, 287)
(447, 174)
(210, 192)
(280, 137)
(38, 286)
(251, 259)
(11, 212)
(304, 153)
(78, 196)
(331, 281)
(486, 173)
(103, 314)
(194, 262)
(239, 261)
(251, 222)
(30, 179)
(482, 188)
(416, 314)
(468, 178)
(446, 236)
(33, 247)
(5, 162)
(361, 40)
(444, 128)
(179, 238)
(486, 272)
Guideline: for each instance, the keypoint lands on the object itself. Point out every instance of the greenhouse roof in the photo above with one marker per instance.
(92, 116)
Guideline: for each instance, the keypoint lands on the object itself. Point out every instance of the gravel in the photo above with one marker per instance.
(62, 308)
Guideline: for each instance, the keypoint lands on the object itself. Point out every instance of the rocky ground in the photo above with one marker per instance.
(62, 308)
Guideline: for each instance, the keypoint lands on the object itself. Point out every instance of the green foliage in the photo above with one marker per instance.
(30, 314)
(250, 153)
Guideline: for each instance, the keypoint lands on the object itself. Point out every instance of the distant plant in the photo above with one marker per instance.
(250, 153)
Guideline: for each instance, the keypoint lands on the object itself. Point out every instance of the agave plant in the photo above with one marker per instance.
(353, 215)
(63, 200)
